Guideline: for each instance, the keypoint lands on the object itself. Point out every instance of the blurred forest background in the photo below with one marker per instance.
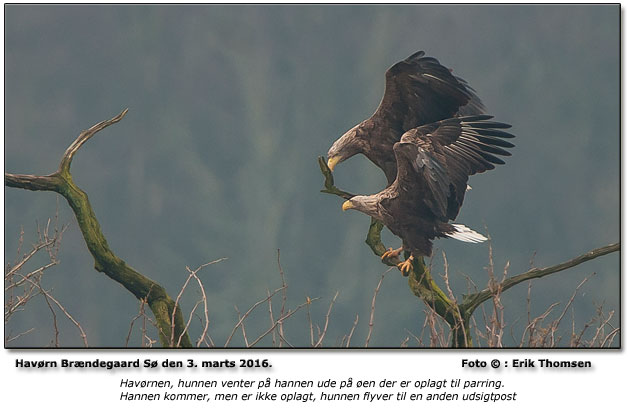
(229, 107)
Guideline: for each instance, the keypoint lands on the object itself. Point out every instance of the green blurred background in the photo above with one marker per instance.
(229, 107)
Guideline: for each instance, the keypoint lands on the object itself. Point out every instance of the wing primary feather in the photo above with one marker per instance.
(474, 160)
(497, 133)
(476, 145)
(416, 55)
(466, 120)
(488, 125)
(491, 158)
(484, 158)
(493, 141)
(484, 141)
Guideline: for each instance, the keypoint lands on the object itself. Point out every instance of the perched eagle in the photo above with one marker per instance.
(419, 91)
(433, 164)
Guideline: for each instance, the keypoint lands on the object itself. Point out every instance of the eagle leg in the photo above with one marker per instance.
(406, 266)
(391, 253)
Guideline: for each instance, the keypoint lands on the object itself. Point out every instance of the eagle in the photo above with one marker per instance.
(433, 164)
(419, 90)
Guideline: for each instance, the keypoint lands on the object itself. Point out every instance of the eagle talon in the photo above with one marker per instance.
(406, 266)
(391, 253)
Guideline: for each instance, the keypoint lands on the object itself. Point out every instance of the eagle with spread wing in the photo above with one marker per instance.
(428, 135)
(419, 90)
(433, 163)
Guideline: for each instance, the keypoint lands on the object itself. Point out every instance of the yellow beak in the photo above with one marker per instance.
(347, 205)
(331, 163)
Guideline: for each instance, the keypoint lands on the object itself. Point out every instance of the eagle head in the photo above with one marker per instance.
(346, 146)
(366, 204)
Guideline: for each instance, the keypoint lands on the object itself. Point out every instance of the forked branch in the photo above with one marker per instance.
(144, 289)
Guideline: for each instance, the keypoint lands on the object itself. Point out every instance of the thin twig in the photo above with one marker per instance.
(290, 313)
(452, 298)
(556, 323)
(65, 312)
(191, 274)
(350, 335)
(248, 312)
(372, 318)
(284, 298)
(54, 318)
(531, 327)
(246, 340)
(322, 335)
(600, 329)
(17, 336)
(309, 320)
(610, 337)
(26, 258)
(270, 313)
(204, 301)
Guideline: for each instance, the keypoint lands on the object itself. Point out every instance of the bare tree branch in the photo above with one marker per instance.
(248, 312)
(281, 319)
(322, 335)
(66, 160)
(350, 335)
(372, 318)
(473, 301)
(105, 260)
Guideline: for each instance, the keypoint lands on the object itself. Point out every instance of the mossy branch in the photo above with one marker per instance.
(105, 260)
(374, 241)
(330, 188)
(425, 288)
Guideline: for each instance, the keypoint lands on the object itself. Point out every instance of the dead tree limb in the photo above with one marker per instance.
(471, 302)
(105, 260)
(423, 286)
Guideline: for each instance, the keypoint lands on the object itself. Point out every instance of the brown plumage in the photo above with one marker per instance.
(419, 91)
(433, 163)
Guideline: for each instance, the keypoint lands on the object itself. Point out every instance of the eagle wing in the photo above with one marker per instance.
(438, 159)
(420, 90)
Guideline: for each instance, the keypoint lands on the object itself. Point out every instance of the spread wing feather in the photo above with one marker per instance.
(420, 90)
(438, 159)
(474, 106)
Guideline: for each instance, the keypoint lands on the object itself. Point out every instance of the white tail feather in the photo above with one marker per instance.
(465, 234)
